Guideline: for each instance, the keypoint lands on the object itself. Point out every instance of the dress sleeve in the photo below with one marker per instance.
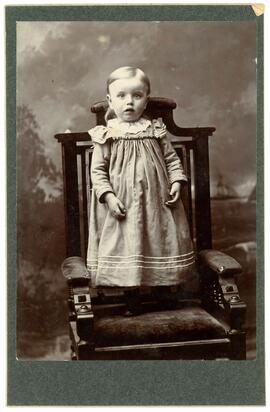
(99, 134)
(173, 163)
(100, 170)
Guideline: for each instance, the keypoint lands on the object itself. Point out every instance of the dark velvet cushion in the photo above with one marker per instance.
(183, 324)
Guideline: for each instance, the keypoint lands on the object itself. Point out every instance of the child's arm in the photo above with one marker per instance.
(174, 169)
(101, 182)
(100, 170)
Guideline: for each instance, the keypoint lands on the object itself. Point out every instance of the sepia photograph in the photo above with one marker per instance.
(135, 205)
(136, 190)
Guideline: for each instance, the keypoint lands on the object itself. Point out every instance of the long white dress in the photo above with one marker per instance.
(151, 246)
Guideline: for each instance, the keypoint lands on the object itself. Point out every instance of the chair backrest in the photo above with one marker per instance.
(191, 144)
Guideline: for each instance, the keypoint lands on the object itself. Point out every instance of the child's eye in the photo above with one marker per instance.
(137, 96)
(121, 95)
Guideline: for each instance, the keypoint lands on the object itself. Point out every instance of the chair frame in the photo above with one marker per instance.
(219, 292)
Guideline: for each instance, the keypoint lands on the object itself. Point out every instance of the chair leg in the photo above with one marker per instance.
(238, 344)
(73, 353)
(84, 350)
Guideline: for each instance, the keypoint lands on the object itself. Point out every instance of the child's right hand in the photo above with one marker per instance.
(115, 206)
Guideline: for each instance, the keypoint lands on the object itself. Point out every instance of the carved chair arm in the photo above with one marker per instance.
(74, 267)
(233, 304)
(218, 281)
(75, 271)
(220, 263)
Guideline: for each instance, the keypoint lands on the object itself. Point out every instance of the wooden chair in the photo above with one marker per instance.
(206, 325)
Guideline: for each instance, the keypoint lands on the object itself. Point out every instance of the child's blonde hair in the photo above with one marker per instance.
(125, 72)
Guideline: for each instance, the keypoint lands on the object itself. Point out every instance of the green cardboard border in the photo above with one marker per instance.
(130, 382)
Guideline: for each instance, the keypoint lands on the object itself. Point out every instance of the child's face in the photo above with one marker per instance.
(128, 98)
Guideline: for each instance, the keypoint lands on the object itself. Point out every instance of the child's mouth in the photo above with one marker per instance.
(129, 110)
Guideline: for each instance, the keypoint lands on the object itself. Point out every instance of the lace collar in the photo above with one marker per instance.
(129, 127)
(116, 130)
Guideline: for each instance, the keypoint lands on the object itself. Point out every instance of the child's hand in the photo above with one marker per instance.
(115, 206)
(175, 193)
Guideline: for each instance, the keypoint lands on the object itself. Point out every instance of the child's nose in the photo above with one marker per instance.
(129, 100)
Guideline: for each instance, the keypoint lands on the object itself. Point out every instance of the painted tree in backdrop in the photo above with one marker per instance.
(40, 230)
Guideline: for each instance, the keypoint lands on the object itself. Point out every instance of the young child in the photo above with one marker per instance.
(138, 234)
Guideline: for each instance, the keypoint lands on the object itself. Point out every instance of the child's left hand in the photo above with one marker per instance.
(175, 193)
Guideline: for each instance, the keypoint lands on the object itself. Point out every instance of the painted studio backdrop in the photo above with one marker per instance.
(208, 68)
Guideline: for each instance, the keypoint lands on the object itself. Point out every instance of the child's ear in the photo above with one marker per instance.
(109, 100)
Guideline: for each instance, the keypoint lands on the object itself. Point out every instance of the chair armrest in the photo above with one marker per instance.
(75, 271)
(220, 270)
(219, 262)
(74, 268)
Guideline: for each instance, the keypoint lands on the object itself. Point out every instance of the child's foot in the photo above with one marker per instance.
(167, 300)
(128, 313)
(133, 302)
